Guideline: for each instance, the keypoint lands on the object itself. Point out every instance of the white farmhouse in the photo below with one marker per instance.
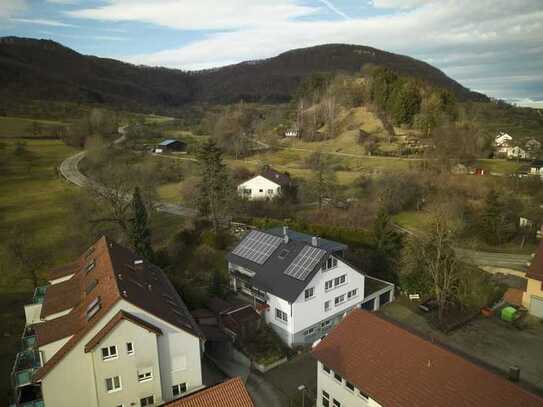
(503, 139)
(516, 153)
(292, 133)
(266, 185)
(368, 361)
(302, 281)
(108, 330)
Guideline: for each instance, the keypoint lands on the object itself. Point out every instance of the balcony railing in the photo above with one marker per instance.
(28, 340)
(30, 396)
(39, 294)
(26, 363)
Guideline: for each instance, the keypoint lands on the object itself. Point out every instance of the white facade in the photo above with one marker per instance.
(330, 294)
(503, 139)
(172, 358)
(335, 391)
(259, 187)
(516, 152)
(536, 171)
(291, 133)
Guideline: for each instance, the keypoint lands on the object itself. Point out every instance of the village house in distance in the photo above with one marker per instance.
(302, 281)
(268, 184)
(369, 361)
(108, 330)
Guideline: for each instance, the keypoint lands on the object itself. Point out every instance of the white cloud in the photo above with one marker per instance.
(40, 21)
(197, 14)
(10, 8)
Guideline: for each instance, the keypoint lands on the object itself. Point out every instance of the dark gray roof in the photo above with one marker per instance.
(372, 285)
(329, 245)
(270, 276)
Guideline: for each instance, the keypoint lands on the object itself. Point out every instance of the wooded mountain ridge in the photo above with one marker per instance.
(47, 70)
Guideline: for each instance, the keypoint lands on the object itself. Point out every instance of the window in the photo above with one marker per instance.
(326, 324)
(90, 286)
(362, 394)
(270, 191)
(260, 190)
(336, 282)
(147, 401)
(93, 308)
(113, 384)
(330, 263)
(280, 315)
(349, 385)
(179, 389)
(309, 293)
(338, 377)
(327, 306)
(129, 348)
(325, 399)
(145, 374)
(90, 266)
(352, 293)
(109, 352)
(340, 299)
(327, 370)
(337, 403)
(309, 331)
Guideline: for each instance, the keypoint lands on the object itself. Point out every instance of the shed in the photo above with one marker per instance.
(170, 145)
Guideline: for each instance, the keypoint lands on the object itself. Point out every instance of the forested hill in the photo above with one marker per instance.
(44, 69)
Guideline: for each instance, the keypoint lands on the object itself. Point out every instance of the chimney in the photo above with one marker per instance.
(138, 264)
(285, 234)
(514, 374)
(315, 241)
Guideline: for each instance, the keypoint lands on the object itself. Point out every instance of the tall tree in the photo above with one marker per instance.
(430, 255)
(23, 256)
(324, 176)
(497, 220)
(139, 231)
(213, 187)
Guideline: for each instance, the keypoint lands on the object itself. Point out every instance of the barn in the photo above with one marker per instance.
(170, 145)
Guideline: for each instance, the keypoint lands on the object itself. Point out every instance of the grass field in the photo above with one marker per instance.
(32, 199)
(21, 127)
(500, 166)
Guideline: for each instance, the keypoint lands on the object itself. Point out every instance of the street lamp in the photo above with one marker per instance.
(302, 389)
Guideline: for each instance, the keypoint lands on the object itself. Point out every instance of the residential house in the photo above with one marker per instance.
(516, 152)
(231, 393)
(503, 140)
(533, 295)
(170, 145)
(292, 133)
(369, 361)
(303, 282)
(536, 167)
(108, 330)
(267, 184)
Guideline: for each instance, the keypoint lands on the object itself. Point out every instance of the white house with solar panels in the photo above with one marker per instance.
(302, 282)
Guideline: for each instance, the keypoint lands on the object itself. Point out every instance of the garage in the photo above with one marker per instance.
(384, 298)
(536, 306)
(369, 305)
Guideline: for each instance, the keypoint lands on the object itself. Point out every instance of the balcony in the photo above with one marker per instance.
(39, 294)
(28, 340)
(26, 363)
(30, 396)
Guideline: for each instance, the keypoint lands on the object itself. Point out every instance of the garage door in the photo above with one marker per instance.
(384, 298)
(369, 305)
(536, 307)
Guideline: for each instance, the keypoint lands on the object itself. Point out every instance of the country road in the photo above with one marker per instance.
(69, 169)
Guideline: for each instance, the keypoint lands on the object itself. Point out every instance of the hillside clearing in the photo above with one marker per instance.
(23, 127)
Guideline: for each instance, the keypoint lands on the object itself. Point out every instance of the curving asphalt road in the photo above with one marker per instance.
(69, 169)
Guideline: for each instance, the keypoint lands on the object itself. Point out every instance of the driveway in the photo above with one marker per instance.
(487, 340)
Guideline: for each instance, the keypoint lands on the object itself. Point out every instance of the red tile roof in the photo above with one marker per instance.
(62, 271)
(60, 297)
(535, 271)
(146, 287)
(113, 322)
(231, 393)
(398, 368)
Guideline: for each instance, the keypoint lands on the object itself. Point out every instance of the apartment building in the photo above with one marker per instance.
(108, 330)
(369, 361)
(302, 282)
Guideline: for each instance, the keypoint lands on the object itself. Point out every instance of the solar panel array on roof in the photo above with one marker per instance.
(257, 246)
(304, 262)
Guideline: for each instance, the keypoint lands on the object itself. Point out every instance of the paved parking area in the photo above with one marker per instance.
(489, 340)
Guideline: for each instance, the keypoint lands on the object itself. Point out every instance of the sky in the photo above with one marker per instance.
(491, 46)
